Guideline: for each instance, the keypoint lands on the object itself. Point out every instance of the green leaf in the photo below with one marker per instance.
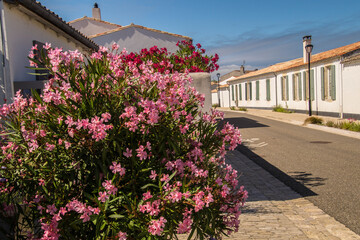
(116, 216)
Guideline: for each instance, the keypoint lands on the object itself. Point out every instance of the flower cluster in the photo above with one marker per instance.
(188, 58)
(116, 148)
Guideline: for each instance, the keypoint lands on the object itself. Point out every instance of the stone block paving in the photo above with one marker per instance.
(274, 211)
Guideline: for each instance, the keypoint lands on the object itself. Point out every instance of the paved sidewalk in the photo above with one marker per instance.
(297, 119)
(275, 212)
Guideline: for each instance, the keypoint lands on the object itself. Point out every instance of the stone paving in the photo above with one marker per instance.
(274, 211)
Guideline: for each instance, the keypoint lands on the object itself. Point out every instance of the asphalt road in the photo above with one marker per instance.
(326, 166)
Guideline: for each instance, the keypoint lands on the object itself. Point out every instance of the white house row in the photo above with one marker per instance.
(335, 85)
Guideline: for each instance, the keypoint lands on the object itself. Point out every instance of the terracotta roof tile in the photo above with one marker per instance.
(299, 61)
(138, 26)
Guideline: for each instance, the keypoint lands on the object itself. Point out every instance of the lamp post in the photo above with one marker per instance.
(218, 76)
(309, 48)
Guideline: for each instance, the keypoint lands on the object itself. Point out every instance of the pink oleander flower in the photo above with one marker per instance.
(116, 168)
(103, 196)
(156, 227)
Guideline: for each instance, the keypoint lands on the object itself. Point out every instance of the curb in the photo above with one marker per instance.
(338, 131)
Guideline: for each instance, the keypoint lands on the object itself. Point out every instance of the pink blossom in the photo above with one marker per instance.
(153, 175)
(122, 236)
(147, 195)
(156, 227)
(128, 153)
(141, 153)
(103, 196)
(116, 168)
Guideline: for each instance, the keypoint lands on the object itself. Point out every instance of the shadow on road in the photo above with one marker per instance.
(308, 179)
(245, 122)
(291, 181)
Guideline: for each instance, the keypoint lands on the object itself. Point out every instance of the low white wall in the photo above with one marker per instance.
(202, 83)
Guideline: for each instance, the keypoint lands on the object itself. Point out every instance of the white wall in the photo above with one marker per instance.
(351, 83)
(224, 97)
(351, 97)
(134, 39)
(20, 31)
(91, 27)
(201, 82)
(214, 98)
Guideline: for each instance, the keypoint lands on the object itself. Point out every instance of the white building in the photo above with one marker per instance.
(23, 24)
(335, 85)
(132, 37)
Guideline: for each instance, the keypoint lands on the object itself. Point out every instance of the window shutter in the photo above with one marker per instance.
(246, 91)
(240, 97)
(312, 85)
(332, 83)
(257, 90)
(304, 84)
(293, 86)
(299, 86)
(250, 86)
(268, 89)
(287, 88)
(322, 84)
(282, 89)
(232, 92)
(250, 90)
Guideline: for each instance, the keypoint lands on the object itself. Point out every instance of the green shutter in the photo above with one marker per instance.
(287, 88)
(293, 86)
(246, 94)
(268, 89)
(232, 92)
(332, 83)
(304, 84)
(299, 86)
(312, 90)
(250, 85)
(240, 97)
(322, 83)
(257, 90)
(282, 89)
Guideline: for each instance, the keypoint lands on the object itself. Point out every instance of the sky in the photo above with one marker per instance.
(256, 33)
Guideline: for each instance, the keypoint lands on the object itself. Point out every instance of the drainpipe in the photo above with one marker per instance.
(341, 88)
(276, 90)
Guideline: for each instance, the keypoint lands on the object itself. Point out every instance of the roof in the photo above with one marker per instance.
(138, 26)
(94, 19)
(54, 19)
(299, 61)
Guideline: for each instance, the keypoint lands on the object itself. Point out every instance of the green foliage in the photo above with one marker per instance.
(314, 120)
(279, 108)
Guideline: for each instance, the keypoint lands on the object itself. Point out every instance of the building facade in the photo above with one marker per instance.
(132, 37)
(334, 84)
(25, 23)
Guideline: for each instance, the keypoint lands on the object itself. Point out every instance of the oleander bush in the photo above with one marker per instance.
(115, 149)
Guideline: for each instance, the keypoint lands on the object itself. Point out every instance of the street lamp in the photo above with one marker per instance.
(309, 48)
(218, 76)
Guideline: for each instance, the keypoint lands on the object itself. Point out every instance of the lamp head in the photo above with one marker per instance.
(309, 48)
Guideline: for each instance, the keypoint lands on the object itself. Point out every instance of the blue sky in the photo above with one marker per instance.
(259, 32)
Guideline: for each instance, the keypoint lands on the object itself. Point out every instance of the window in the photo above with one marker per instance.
(240, 96)
(285, 88)
(44, 74)
(232, 92)
(297, 91)
(248, 94)
(306, 85)
(268, 89)
(257, 90)
(328, 84)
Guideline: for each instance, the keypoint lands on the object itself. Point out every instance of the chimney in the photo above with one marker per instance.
(242, 69)
(306, 41)
(96, 12)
